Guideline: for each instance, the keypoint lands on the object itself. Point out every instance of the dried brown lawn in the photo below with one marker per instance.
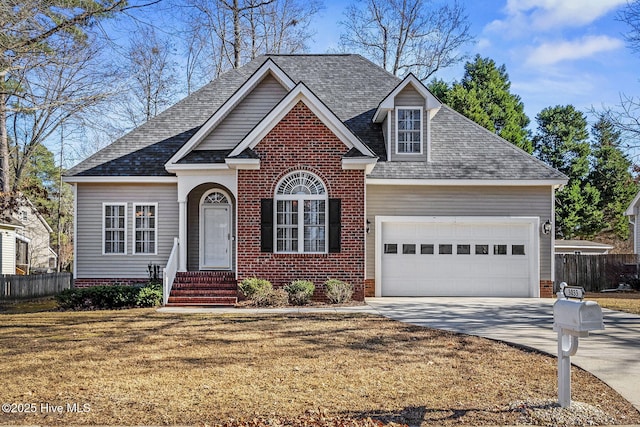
(622, 301)
(143, 367)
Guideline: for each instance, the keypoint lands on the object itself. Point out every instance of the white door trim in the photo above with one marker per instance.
(532, 222)
(203, 207)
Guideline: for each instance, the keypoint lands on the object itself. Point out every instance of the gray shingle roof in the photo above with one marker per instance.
(462, 149)
(205, 156)
(352, 87)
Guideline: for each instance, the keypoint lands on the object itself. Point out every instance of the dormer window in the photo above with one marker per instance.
(409, 130)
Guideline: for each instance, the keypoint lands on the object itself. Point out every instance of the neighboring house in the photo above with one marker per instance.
(315, 167)
(633, 212)
(581, 247)
(8, 248)
(33, 253)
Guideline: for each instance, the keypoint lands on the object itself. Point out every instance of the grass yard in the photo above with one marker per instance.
(143, 367)
(621, 301)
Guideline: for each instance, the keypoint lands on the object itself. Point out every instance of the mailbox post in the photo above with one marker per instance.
(572, 319)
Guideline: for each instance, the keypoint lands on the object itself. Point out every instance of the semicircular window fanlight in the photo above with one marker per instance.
(215, 197)
(301, 182)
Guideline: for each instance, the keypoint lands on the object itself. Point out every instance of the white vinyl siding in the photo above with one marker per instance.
(7, 251)
(413, 200)
(145, 223)
(114, 228)
(245, 116)
(90, 262)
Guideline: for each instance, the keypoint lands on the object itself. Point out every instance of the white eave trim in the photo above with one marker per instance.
(468, 182)
(631, 209)
(268, 67)
(196, 166)
(583, 247)
(251, 164)
(23, 238)
(121, 179)
(12, 227)
(328, 118)
(365, 163)
(431, 103)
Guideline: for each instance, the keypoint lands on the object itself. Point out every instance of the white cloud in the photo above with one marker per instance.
(542, 15)
(586, 47)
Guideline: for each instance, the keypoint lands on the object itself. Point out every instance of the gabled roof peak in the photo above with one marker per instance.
(302, 93)
(268, 67)
(430, 101)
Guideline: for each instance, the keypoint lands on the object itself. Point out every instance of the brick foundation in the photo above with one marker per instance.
(546, 288)
(300, 141)
(87, 283)
(370, 288)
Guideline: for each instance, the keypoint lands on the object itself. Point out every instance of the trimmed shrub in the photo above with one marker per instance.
(149, 296)
(252, 285)
(109, 297)
(300, 291)
(270, 298)
(337, 291)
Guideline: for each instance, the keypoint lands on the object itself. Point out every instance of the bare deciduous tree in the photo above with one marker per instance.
(224, 34)
(406, 36)
(626, 115)
(33, 33)
(153, 76)
(66, 86)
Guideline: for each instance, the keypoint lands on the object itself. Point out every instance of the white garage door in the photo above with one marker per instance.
(459, 257)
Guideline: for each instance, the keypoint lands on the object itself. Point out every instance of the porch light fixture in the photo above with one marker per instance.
(546, 227)
(368, 226)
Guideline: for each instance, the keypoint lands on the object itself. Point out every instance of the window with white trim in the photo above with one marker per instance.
(145, 228)
(301, 214)
(114, 220)
(408, 130)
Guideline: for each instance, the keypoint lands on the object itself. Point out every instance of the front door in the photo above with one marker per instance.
(215, 240)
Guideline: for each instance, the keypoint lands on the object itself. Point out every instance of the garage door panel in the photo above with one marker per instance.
(499, 272)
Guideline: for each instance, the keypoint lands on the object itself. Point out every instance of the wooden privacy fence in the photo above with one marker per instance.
(595, 272)
(33, 286)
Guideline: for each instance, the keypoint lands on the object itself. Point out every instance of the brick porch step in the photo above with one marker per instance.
(201, 301)
(203, 292)
(204, 288)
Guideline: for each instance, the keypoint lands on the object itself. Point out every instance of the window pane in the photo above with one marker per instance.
(145, 232)
(114, 229)
(408, 249)
(499, 249)
(463, 249)
(390, 248)
(482, 249)
(445, 249)
(426, 249)
(517, 250)
(409, 125)
(314, 239)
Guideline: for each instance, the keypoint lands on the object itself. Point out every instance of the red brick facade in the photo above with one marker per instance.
(300, 141)
(86, 283)
(546, 289)
(370, 288)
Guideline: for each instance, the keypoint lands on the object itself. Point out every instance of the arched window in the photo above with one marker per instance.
(215, 197)
(301, 214)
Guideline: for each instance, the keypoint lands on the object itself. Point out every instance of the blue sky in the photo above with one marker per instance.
(556, 52)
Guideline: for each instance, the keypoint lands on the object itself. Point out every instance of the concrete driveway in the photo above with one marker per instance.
(613, 355)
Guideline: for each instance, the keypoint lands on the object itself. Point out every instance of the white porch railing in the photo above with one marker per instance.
(169, 272)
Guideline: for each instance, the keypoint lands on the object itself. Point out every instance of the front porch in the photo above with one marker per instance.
(201, 268)
(203, 288)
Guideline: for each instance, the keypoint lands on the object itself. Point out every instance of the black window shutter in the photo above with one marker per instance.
(266, 225)
(335, 225)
